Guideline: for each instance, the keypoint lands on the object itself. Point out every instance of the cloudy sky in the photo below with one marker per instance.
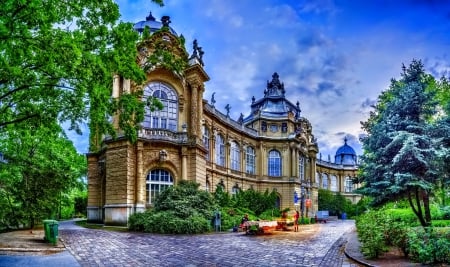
(334, 56)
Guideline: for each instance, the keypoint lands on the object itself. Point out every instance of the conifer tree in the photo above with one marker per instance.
(401, 148)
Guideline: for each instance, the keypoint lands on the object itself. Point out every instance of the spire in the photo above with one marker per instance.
(275, 88)
(150, 17)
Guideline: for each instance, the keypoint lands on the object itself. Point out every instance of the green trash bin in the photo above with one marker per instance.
(47, 229)
(53, 235)
(51, 231)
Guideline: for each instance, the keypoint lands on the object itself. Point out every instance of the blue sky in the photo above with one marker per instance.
(334, 57)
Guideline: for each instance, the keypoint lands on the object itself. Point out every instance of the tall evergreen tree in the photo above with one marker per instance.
(400, 149)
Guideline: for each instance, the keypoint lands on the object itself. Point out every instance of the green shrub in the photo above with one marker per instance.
(442, 213)
(254, 201)
(137, 220)
(304, 221)
(181, 209)
(396, 234)
(371, 234)
(270, 214)
(429, 247)
(167, 222)
(404, 215)
(440, 223)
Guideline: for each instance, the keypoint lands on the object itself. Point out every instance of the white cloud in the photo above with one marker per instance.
(334, 58)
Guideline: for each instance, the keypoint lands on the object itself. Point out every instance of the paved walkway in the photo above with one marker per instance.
(314, 245)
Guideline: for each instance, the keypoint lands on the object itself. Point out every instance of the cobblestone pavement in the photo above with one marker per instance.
(314, 245)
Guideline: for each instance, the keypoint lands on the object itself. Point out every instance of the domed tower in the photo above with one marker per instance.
(153, 24)
(345, 155)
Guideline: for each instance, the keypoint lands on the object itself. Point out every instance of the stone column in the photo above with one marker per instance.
(195, 122)
(184, 163)
(293, 164)
(140, 179)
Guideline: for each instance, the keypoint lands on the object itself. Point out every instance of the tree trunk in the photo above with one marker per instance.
(426, 206)
(417, 210)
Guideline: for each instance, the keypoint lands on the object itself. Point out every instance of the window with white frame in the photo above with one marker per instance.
(206, 141)
(220, 150)
(235, 156)
(168, 116)
(348, 186)
(157, 181)
(333, 183)
(274, 163)
(324, 181)
(250, 160)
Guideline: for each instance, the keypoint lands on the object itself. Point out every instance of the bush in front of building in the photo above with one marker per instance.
(335, 203)
(181, 209)
(167, 222)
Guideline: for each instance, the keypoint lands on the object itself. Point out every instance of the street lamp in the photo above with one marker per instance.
(302, 201)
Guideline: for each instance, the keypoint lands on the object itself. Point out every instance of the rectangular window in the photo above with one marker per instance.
(250, 161)
(301, 168)
(163, 123)
(274, 167)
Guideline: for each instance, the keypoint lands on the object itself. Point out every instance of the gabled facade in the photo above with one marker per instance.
(273, 148)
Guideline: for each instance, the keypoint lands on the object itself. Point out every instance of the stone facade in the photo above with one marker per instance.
(271, 149)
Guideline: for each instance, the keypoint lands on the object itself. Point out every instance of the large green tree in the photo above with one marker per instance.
(57, 60)
(402, 144)
(40, 165)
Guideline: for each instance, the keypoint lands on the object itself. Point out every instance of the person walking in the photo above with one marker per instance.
(296, 216)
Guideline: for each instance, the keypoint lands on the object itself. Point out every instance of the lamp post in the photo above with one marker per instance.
(302, 201)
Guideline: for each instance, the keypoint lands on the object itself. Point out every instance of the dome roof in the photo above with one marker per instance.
(274, 104)
(345, 155)
(153, 25)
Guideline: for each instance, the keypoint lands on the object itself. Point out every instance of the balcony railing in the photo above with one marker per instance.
(163, 135)
(230, 122)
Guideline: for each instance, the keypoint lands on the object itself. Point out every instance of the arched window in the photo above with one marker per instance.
(157, 181)
(235, 189)
(250, 160)
(206, 141)
(278, 202)
(333, 183)
(301, 168)
(235, 156)
(167, 117)
(324, 181)
(348, 186)
(220, 150)
(274, 163)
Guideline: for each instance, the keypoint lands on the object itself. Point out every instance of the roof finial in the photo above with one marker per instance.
(197, 52)
(213, 100)
(345, 139)
(150, 17)
(228, 107)
(165, 20)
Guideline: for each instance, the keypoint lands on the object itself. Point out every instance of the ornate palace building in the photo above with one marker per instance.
(273, 148)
